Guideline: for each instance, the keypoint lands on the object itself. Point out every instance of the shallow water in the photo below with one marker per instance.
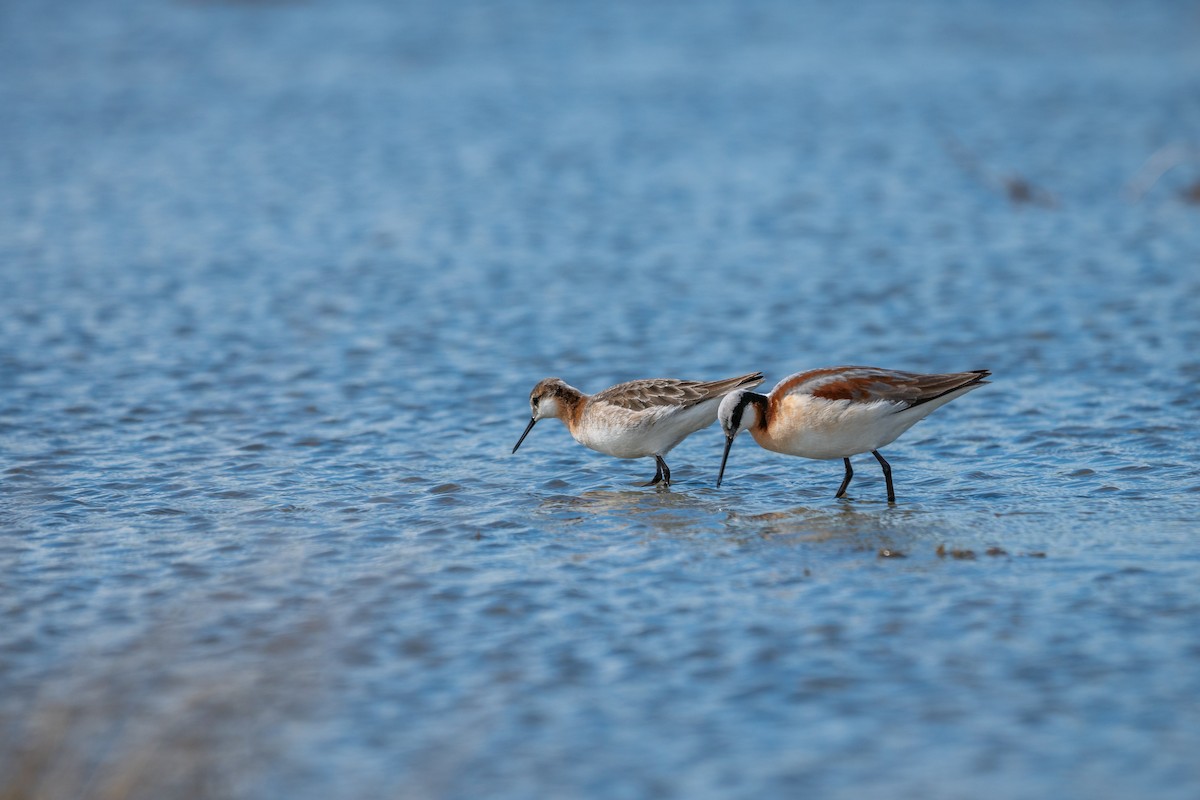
(276, 279)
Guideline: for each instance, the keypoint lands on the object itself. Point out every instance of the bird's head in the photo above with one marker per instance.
(739, 411)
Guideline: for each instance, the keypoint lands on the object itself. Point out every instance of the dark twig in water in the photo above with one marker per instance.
(1016, 188)
(1160, 162)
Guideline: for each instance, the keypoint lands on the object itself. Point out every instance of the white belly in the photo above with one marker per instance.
(814, 428)
(638, 434)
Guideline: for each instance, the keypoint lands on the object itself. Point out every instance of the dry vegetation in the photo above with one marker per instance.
(156, 723)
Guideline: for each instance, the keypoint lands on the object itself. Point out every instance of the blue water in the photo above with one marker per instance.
(275, 282)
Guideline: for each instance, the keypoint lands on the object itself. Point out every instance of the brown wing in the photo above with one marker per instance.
(643, 394)
(869, 384)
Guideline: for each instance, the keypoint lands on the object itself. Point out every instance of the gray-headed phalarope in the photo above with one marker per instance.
(636, 419)
(840, 412)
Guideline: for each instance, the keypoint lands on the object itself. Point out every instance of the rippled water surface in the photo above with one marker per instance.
(275, 282)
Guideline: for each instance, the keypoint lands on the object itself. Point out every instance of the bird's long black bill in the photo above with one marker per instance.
(724, 458)
(528, 428)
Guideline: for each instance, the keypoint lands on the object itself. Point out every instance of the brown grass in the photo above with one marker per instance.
(156, 723)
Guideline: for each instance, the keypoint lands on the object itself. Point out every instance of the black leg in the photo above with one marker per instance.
(846, 480)
(658, 474)
(887, 475)
(666, 471)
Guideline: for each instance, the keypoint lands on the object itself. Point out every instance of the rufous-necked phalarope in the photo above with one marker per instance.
(635, 419)
(840, 412)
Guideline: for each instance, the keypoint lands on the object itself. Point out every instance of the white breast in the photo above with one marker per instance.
(623, 433)
(811, 427)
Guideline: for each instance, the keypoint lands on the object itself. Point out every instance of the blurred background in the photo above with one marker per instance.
(277, 277)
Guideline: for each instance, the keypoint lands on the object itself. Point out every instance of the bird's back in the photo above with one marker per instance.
(841, 411)
(650, 417)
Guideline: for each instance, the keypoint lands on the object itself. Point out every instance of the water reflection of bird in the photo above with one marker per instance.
(636, 419)
(840, 412)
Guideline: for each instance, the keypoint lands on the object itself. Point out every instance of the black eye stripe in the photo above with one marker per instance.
(736, 417)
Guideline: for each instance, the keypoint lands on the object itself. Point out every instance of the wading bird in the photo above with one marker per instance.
(839, 412)
(636, 419)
